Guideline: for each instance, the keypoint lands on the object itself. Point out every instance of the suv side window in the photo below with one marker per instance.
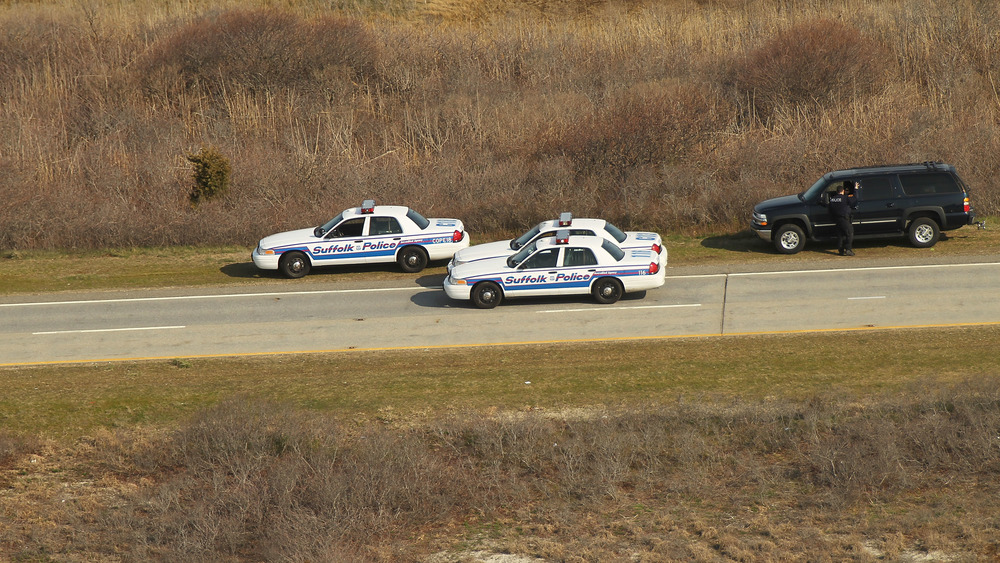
(876, 187)
(928, 183)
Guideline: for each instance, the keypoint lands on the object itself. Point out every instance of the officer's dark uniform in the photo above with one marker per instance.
(840, 207)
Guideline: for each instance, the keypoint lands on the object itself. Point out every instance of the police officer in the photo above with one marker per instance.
(840, 207)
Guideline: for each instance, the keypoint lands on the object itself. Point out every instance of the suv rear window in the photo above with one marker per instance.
(929, 183)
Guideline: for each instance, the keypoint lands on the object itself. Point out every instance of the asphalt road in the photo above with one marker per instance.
(290, 317)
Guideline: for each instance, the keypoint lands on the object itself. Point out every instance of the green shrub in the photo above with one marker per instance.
(211, 174)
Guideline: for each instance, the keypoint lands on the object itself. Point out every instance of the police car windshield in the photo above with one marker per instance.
(615, 232)
(325, 228)
(613, 250)
(521, 240)
(417, 218)
(519, 257)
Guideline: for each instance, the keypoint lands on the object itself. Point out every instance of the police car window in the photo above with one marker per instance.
(615, 232)
(325, 227)
(877, 187)
(523, 239)
(417, 218)
(349, 228)
(543, 259)
(613, 250)
(519, 257)
(576, 232)
(385, 226)
(930, 183)
(579, 257)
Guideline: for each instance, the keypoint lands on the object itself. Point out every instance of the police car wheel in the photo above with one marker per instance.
(789, 239)
(607, 290)
(486, 295)
(923, 232)
(294, 265)
(412, 259)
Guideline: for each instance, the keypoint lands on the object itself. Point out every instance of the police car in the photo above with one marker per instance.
(625, 240)
(363, 235)
(561, 265)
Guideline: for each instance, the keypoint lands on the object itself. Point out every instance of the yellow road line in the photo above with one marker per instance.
(497, 344)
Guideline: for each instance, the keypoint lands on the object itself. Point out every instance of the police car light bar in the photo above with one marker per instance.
(562, 236)
(368, 206)
(565, 219)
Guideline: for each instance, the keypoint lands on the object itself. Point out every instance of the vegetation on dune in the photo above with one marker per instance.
(669, 115)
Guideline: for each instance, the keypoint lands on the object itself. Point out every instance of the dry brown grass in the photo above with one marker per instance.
(829, 478)
(670, 115)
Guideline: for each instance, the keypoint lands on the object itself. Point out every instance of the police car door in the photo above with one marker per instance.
(579, 266)
(536, 275)
(344, 244)
(384, 236)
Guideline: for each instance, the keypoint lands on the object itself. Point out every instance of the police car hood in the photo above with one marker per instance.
(299, 236)
(484, 251)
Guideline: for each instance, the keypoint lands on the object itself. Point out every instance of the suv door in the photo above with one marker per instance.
(819, 214)
(879, 210)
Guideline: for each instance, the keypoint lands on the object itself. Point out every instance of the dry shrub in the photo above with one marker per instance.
(649, 125)
(250, 479)
(13, 446)
(816, 63)
(261, 50)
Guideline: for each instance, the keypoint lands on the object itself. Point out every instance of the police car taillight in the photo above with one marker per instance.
(653, 268)
(368, 206)
(562, 237)
(965, 205)
(565, 219)
(656, 248)
(456, 236)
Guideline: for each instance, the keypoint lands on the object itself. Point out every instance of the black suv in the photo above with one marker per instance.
(916, 200)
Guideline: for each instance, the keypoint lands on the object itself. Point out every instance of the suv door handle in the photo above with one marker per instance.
(890, 204)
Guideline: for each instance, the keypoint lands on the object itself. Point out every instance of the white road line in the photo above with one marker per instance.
(618, 308)
(222, 296)
(109, 330)
(862, 298)
(874, 268)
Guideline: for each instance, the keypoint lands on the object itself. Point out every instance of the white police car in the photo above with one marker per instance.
(626, 240)
(363, 235)
(560, 265)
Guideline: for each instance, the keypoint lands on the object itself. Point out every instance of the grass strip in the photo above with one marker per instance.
(398, 386)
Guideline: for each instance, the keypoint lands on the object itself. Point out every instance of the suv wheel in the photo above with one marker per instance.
(789, 239)
(923, 232)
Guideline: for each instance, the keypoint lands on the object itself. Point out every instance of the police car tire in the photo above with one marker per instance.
(923, 232)
(789, 239)
(412, 259)
(294, 265)
(486, 295)
(607, 290)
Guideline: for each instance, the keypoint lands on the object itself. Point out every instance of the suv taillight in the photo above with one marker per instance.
(965, 205)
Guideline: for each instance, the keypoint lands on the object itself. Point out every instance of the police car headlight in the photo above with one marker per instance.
(457, 282)
(264, 251)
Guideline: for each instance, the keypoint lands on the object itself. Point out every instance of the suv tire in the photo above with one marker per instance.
(789, 239)
(923, 232)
